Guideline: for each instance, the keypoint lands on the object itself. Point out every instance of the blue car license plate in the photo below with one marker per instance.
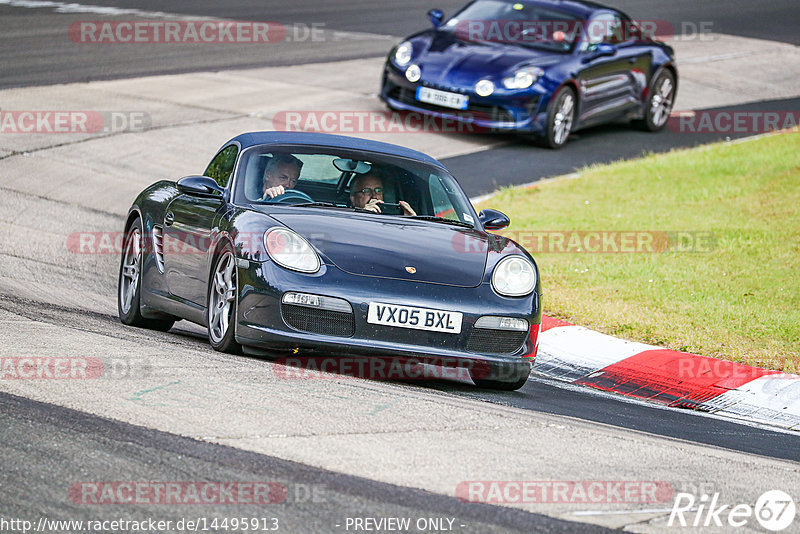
(442, 98)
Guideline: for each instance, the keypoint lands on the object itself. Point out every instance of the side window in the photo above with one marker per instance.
(221, 166)
(442, 201)
(604, 28)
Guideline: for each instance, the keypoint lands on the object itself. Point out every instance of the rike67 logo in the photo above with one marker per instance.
(774, 510)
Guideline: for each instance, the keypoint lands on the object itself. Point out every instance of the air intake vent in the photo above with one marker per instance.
(486, 341)
(158, 247)
(330, 323)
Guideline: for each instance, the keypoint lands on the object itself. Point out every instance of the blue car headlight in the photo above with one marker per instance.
(523, 78)
(403, 53)
(514, 276)
(484, 88)
(413, 73)
(288, 249)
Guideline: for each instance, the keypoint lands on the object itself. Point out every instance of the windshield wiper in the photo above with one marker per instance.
(441, 220)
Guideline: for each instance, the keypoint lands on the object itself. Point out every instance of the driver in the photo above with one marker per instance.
(366, 191)
(282, 173)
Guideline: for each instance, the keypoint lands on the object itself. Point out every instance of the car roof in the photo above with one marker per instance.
(328, 140)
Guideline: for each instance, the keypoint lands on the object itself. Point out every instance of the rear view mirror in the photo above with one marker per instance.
(351, 165)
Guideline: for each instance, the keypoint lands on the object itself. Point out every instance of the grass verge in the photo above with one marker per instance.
(711, 249)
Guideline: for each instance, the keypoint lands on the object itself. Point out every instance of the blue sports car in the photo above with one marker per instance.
(541, 67)
(309, 244)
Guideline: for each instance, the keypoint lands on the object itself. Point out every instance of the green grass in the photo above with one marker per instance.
(737, 300)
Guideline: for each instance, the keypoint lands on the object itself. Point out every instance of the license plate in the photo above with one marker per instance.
(416, 318)
(442, 98)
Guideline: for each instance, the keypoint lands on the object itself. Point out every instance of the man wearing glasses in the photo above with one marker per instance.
(366, 191)
(282, 173)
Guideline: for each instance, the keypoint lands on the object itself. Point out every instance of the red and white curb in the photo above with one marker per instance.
(584, 357)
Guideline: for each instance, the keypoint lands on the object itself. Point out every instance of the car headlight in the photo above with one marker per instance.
(484, 88)
(402, 54)
(523, 78)
(413, 73)
(514, 276)
(289, 250)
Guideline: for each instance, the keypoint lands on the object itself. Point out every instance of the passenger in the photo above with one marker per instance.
(366, 191)
(282, 173)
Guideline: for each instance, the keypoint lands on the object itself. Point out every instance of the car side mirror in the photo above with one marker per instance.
(493, 219)
(436, 17)
(201, 186)
(599, 50)
(605, 49)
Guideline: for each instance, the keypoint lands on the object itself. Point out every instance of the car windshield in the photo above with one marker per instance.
(517, 23)
(323, 177)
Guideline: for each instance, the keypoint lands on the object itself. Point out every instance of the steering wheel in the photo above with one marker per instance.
(291, 196)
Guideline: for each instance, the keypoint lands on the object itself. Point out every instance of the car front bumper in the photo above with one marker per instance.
(503, 111)
(262, 319)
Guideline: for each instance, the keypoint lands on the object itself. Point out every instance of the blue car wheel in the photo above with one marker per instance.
(659, 103)
(560, 118)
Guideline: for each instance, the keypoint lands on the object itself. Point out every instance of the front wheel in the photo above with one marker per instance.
(129, 288)
(560, 118)
(222, 297)
(659, 103)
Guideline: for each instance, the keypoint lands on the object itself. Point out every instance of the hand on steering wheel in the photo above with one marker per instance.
(289, 196)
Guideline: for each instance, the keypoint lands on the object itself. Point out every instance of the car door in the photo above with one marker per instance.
(610, 78)
(189, 222)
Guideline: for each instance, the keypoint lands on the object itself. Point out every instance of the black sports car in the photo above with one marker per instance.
(312, 244)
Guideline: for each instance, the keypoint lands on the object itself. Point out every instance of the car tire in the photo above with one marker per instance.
(510, 383)
(560, 118)
(658, 106)
(129, 286)
(222, 303)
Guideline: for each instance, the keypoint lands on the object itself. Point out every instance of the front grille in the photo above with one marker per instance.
(316, 321)
(486, 341)
(491, 113)
(158, 247)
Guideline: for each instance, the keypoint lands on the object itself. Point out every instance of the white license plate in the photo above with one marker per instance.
(412, 317)
(442, 98)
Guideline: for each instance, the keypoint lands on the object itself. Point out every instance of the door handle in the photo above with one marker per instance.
(169, 218)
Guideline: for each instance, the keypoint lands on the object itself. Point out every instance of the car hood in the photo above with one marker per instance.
(389, 247)
(448, 60)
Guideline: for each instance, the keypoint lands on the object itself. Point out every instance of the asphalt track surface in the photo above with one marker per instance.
(484, 172)
(35, 48)
(44, 443)
(39, 437)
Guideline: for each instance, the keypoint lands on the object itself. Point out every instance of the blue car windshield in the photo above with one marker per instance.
(336, 178)
(517, 23)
